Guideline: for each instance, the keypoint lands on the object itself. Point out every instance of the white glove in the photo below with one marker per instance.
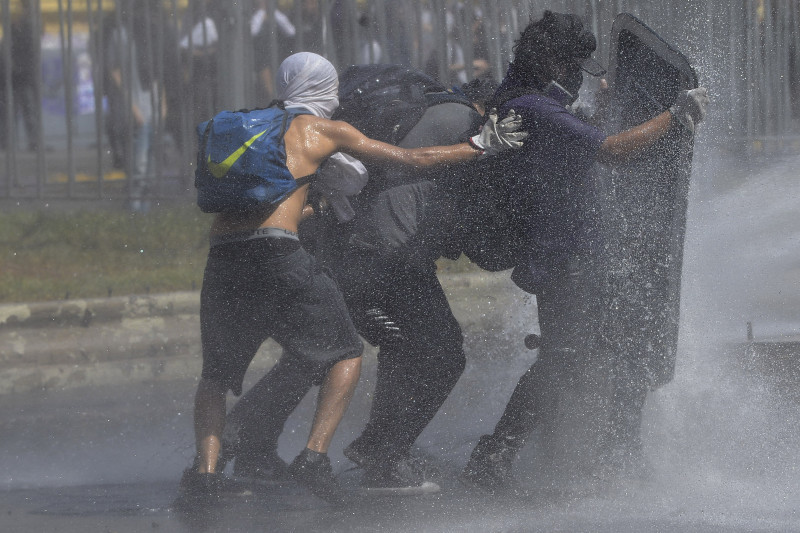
(496, 137)
(690, 107)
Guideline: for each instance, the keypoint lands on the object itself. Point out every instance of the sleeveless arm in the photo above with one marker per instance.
(348, 139)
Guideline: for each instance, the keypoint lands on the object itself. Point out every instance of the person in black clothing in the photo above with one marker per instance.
(114, 117)
(25, 62)
(556, 204)
(384, 263)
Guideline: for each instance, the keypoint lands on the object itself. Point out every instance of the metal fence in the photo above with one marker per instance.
(74, 74)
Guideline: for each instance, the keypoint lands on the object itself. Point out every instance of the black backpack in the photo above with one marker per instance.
(385, 101)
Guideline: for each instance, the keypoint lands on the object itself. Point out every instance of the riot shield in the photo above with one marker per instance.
(600, 387)
(644, 203)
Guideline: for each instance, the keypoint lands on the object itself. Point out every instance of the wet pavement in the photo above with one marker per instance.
(109, 458)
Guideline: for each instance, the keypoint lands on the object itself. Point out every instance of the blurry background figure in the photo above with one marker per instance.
(262, 42)
(25, 42)
(114, 116)
(480, 47)
(4, 73)
(340, 15)
(453, 54)
(373, 33)
(399, 13)
(167, 43)
(135, 89)
(370, 50)
(311, 27)
(198, 48)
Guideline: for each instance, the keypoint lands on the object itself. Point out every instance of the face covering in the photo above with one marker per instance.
(309, 81)
(572, 82)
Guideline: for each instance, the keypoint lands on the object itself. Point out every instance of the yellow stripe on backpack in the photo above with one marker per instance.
(218, 170)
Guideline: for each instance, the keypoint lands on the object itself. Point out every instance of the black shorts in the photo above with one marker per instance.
(270, 287)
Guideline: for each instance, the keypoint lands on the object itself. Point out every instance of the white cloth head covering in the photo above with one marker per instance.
(309, 81)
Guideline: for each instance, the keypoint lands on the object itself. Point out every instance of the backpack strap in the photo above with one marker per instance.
(201, 161)
(280, 104)
(305, 180)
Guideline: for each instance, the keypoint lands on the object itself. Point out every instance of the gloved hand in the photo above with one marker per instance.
(318, 202)
(690, 107)
(496, 137)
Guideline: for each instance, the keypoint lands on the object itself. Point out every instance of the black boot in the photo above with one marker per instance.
(489, 466)
(197, 485)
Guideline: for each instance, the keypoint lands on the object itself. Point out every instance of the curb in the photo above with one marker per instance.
(87, 312)
(102, 341)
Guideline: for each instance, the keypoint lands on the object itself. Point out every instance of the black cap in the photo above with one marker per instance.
(568, 39)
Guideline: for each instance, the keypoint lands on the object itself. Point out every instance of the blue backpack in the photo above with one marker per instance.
(241, 160)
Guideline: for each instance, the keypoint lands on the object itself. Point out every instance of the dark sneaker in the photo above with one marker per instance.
(489, 466)
(397, 475)
(199, 484)
(365, 455)
(198, 490)
(313, 471)
(269, 467)
(361, 452)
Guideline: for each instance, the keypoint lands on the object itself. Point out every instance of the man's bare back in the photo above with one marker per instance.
(309, 141)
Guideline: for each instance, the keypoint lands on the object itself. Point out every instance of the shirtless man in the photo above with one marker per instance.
(259, 282)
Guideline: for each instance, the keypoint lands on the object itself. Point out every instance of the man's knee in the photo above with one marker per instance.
(211, 387)
(346, 369)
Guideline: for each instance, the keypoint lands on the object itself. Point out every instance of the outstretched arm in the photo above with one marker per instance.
(348, 139)
(495, 136)
(629, 143)
(689, 110)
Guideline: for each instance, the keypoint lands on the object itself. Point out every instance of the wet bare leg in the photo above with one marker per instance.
(209, 421)
(334, 396)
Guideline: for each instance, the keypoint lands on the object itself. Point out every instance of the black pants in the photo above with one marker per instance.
(572, 312)
(419, 362)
